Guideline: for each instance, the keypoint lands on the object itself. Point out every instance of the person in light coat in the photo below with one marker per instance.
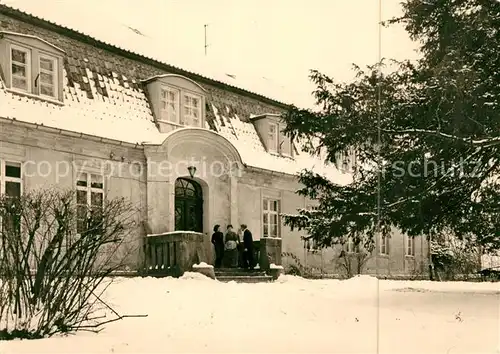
(231, 247)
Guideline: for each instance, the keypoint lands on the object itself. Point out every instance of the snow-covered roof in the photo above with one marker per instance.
(122, 114)
(104, 96)
(104, 29)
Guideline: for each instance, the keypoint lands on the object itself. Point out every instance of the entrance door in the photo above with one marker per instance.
(188, 205)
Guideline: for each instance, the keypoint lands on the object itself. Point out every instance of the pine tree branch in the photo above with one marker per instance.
(487, 142)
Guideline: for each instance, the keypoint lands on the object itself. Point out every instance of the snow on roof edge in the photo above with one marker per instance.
(33, 37)
(72, 133)
(172, 75)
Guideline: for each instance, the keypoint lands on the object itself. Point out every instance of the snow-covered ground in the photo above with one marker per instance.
(195, 314)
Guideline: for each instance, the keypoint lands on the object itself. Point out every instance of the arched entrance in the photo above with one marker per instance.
(188, 205)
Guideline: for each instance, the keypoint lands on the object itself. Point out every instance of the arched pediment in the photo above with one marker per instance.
(178, 81)
(200, 137)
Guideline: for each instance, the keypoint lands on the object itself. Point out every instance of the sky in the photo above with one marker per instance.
(268, 45)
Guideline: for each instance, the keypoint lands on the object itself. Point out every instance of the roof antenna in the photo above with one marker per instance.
(206, 45)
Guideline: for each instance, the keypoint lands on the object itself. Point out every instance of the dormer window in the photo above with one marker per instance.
(47, 78)
(169, 107)
(177, 102)
(286, 146)
(20, 60)
(273, 141)
(270, 128)
(34, 67)
(192, 110)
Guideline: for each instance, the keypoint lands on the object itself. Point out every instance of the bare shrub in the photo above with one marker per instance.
(296, 267)
(353, 263)
(454, 259)
(52, 277)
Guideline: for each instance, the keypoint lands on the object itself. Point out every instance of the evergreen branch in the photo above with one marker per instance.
(487, 142)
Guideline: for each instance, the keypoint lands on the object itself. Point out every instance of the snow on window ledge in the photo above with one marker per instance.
(178, 125)
(37, 97)
(202, 265)
(274, 266)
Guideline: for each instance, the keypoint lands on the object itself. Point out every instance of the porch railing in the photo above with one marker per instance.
(173, 253)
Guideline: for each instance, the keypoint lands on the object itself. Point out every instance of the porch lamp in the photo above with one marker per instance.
(192, 171)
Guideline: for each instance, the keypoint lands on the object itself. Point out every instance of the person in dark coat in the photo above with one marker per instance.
(241, 251)
(248, 244)
(218, 242)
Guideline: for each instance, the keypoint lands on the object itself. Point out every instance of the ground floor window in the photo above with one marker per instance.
(89, 199)
(10, 177)
(384, 244)
(410, 246)
(11, 187)
(349, 245)
(270, 218)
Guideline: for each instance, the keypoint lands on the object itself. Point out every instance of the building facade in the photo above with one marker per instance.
(190, 151)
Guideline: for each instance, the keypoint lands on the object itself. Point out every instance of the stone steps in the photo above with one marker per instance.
(238, 271)
(241, 275)
(244, 278)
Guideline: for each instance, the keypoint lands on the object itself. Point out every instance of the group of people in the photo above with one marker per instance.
(230, 251)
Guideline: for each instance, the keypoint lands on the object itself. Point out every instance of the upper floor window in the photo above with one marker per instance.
(270, 128)
(273, 135)
(47, 76)
(169, 107)
(32, 65)
(192, 110)
(190, 115)
(20, 59)
(177, 101)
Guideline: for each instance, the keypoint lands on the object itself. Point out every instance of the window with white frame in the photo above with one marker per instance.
(10, 182)
(89, 198)
(33, 66)
(312, 207)
(310, 244)
(11, 179)
(289, 144)
(349, 245)
(20, 59)
(192, 110)
(169, 104)
(384, 244)
(270, 218)
(272, 139)
(47, 79)
(410, 246)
